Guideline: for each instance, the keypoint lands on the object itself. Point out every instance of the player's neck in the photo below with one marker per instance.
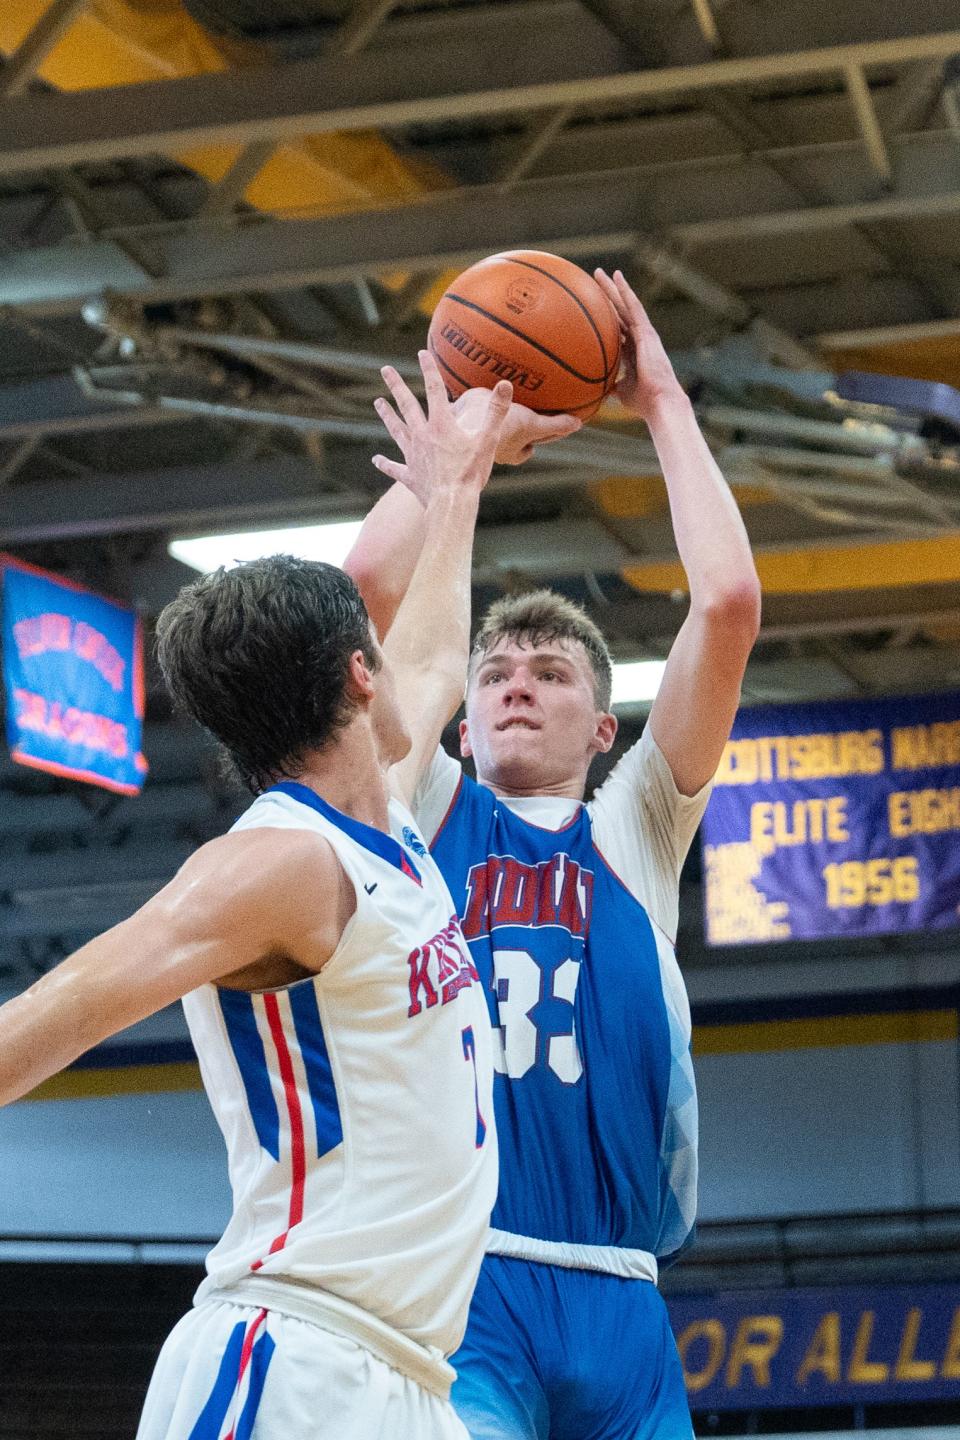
(348, 773)
(520, 787)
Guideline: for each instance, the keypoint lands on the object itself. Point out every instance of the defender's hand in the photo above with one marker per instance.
(440, 453)
(522, 428)
(648, 376)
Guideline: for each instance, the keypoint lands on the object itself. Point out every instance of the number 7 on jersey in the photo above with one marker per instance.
(470, 1053)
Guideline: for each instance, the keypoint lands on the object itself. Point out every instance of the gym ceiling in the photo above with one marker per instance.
(218, 218)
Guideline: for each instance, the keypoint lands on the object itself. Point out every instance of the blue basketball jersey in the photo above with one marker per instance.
(594, 1092)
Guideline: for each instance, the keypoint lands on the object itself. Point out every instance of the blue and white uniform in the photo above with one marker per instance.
(570, 912)
(356, 1107)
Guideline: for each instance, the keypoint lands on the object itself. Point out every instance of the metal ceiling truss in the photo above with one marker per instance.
(761, 136)
(579, 215)
(195, 496)
(872, 477)
(889, 335)
(20, 68)
(408, 83)
(865, 491)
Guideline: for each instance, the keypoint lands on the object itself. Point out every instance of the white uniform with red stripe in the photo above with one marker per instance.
(356, 1110)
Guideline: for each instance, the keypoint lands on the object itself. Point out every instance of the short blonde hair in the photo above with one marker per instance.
(537, 618)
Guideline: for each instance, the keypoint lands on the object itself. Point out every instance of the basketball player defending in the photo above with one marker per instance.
(342, 1035)
(570, 911)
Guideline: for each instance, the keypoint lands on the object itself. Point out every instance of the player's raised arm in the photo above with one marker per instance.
(692, 715)
(383, 558)
(234, 901)
(447, 466)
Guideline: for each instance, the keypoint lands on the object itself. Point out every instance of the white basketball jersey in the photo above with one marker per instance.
(356, 1104)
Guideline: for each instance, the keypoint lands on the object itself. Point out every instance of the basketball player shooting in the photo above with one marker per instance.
(342, 1034)
(570, 911)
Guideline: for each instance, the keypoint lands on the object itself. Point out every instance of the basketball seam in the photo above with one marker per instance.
(449, 368)
(529, 265)
(534, 344)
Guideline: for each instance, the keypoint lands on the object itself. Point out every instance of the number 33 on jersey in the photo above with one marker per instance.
(594, 1081)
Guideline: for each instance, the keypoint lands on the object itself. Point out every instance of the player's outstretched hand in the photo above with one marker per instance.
(648, 376)
(522, 429)
(439, 452)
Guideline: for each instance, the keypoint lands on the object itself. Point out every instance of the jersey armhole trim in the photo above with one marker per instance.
(623, 884)
(448, 812)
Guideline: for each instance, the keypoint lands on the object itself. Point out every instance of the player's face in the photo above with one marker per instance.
(532, 721)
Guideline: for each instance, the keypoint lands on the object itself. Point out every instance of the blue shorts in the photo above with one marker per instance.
(557, 1354)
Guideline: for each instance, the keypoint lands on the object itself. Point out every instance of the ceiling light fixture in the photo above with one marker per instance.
(331, 543)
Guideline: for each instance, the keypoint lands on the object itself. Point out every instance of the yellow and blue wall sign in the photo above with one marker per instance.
(73, 676)
(839, 819)
(850, 1345)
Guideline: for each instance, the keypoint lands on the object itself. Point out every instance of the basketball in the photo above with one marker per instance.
(536, 320)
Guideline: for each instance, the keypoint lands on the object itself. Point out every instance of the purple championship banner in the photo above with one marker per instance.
(73, 679)
(849, 1345)
(835, 819)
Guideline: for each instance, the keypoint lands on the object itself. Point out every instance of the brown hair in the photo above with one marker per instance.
(259, 655)
(539, 617)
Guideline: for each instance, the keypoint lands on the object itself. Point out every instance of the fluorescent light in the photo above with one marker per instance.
(308, 542)
(637, 680)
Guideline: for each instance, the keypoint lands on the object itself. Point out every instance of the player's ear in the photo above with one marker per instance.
(465, 750)
(360, 676)
(605, 733)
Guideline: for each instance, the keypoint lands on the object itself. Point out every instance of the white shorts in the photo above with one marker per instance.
(232, 1371)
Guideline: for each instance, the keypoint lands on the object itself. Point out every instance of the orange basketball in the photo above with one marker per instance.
(536, 320)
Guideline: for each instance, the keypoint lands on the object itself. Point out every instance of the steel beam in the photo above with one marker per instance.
(816, 218)
(915, 100)
(824, 435)
(446, 230)
(866, 117)
(888, 335)
(902, 621)
(306, 421)
(96, 212)
(23, 449)
(24, 63)
(409, 70)
(325, 357)
(56, 406)
(951, 107)
(360, 25)
(252, 493)
(229, 189)
(576, 214)
(283, 488)
(535, 144)
(657, 619)
(674, 271)
(387, 88)
(550, 548)
(707, 23)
